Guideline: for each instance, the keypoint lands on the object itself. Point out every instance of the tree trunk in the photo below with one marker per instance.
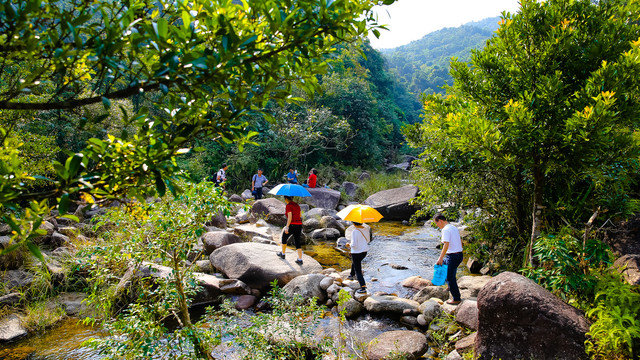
(538, 191)
(520, 203)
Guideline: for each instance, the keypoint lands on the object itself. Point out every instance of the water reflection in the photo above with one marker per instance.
(61, 343)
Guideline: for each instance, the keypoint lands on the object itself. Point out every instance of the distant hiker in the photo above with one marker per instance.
(221, 175)
(311, 182)
(293, 227)
(257, 182)
(451, 254)
(360, 238)
(292, 177)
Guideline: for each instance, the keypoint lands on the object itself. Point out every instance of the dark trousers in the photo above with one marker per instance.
(356, 267)
(258, 194)
(295, 230)
(452, 261)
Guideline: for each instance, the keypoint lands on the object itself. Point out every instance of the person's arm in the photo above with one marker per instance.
(265, 181)
(289, 218)
(445, 247)
(218, 176)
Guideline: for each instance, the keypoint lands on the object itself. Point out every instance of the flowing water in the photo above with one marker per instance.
(396, 253)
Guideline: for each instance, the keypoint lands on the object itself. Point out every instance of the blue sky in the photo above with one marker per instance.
(410, 20)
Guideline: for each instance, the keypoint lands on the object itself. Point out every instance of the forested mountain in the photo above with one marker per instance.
(423, 65)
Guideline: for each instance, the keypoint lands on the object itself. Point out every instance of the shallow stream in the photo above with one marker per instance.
(394, 247)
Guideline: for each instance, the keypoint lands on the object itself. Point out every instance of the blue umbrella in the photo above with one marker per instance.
(289, 190)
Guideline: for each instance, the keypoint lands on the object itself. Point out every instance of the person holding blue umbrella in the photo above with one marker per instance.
(294, 220)
(293, 227)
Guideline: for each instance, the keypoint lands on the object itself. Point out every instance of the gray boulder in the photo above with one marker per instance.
(234, 287)
(364, 176)
(246, 194)
(430, 310)
(323, 198)
(331, 223)
(389, 304)
(16, 279)
(10, 299)
(470, 285)
(218, 220)
(352, 308)
(311, 224)
(271, 209)
(429, 292)
(235, 198)
(58, 240)
(11, 328)
(208, 292)
(307, 286)
(518, 319)
(467, 314)
(74, 305)
(325, 234)
(629, 266)
(216, 239)
(403, 343)
(249, 231)
(393, 204)
(257, 264)
(350, 188)
(244, 302)
(318, 213)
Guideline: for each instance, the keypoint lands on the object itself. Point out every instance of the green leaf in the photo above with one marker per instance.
(106, 103)
(71, 217)
(63, 204)
(161, 188)
(35, 250)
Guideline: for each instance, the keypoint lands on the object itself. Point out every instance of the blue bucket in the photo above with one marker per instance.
(439, 274)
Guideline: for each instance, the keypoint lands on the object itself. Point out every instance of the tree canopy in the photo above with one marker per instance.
(546, 113)
(195, 68)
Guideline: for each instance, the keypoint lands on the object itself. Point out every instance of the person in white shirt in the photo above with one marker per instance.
(451, 254)
(221, 175)
(360, 237)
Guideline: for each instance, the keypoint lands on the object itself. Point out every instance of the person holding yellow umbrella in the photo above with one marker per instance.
(360, 238)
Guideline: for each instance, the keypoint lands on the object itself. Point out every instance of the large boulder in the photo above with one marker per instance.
(467, 314)
(518, 319)
(393, 204)
(11, 328)
(629, 266)
(258, 265)
(429, 292)
(208, 291)
(218, 220)
(318, 213)
(216, 239)
(259, 229)
(271, 209)
(350, 189)
(470, 285)
(16, 279)
(307, 286)
(332, 223)
(400, 343)
(323, 198)
(325, 234)
(389, 304)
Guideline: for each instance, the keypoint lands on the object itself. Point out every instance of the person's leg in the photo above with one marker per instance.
(452, 261)
(357, 266)
(296, 230)
(283, 240)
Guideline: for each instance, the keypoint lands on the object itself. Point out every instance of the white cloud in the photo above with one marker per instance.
(410, 20)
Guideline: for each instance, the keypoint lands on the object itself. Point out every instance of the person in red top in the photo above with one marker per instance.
(294, 227)
(312, 178)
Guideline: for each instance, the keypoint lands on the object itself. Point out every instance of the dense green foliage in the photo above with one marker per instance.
(545, 114)
(354, 120)
(148, 78)
(540, 131)
(423, 65)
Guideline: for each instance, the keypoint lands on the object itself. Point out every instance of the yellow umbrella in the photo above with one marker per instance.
(360, 213)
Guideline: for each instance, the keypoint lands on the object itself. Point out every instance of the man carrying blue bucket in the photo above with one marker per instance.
(451, 254)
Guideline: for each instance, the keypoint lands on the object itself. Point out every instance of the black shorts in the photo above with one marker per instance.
(296, 231)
